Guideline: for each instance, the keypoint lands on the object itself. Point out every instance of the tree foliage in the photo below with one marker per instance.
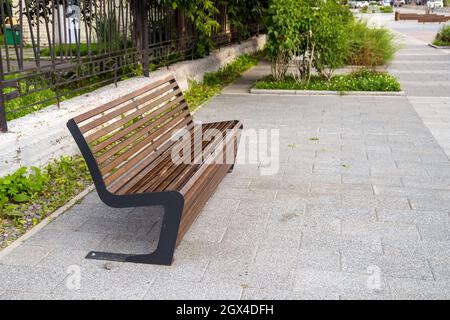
(311, 33)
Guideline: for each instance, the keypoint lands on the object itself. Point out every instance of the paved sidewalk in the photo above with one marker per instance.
(358, 209)
(424, 73)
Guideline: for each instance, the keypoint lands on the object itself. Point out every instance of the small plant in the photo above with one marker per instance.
(29, 195)
(443, 37)
(362, 80)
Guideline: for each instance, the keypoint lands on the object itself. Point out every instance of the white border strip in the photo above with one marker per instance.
(327, 93)
(28, 234)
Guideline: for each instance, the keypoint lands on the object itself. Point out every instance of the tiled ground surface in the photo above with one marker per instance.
(358, 209)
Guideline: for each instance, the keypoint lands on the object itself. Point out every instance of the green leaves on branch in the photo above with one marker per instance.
(322, 36)
(202, 14)
(313, 32)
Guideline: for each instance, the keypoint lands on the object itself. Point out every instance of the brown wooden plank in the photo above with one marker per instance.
(161, 95)
(199, 196)
(129, 170)
(160, 172)
(181, 111)
(138, 172)
(145, 144)
(119, 101)
(172, 170)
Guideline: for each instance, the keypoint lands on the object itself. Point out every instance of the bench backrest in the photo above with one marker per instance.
(128, 134)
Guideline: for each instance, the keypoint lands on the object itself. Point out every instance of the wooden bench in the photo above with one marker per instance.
(128, 145)
(433, 18)
(408, 16)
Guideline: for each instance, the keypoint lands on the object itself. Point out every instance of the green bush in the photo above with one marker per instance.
(330, 37)
(370, 46)
(315, 31)
(363, 80)
(386, 9)
(443, 37)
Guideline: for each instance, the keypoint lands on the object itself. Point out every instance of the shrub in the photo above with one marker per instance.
(443, 37)
(330, 37)
(386, 9)
(370, 46)
(363, 80)
(312, 32)
(284, 33)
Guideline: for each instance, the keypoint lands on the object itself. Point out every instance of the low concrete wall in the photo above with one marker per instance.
(42, 136)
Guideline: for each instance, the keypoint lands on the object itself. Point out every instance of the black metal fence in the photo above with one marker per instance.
(51, 50)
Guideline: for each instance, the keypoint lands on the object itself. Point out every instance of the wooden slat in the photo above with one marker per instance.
(193, 180)
(168, 170)
(182, 110)
(164, 163)
(143, 144)
(121, 100)
(120, 123)
(198, 196)
(163, 94)
(125, 131)
(137, 172)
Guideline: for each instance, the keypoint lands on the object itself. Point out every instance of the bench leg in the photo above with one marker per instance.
(163, 255)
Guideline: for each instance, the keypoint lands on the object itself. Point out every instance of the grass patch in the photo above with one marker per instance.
(370, 46)
(28, 196)
(43, 98)
(443, 37)
(65, 49)
(363, 80)
(201, 92)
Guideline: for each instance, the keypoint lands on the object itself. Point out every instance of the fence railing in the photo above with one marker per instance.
(51, 50)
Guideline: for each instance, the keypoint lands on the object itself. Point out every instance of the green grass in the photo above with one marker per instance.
(43, 98)
(83, 47)
(363, 80)
(29, 195)
(370, 46)
(443, 37)
(201, 92)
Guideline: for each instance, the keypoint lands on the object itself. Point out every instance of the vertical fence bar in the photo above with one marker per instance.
(143, 17)
(3, 124)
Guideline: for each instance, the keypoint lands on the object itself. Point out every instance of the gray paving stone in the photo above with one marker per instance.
(319, 260)
(419, 289)
(335, 242)
(413, 216)
(393, 266)
(440, 232)
(267, 294)
(440, 265)
(25, 255)
(342, 213)
(25, 295)
(60, 259)
(30, 279)
(386, 230)
(422, 249)
(100, 282)
(336, 282)
(187, 290)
